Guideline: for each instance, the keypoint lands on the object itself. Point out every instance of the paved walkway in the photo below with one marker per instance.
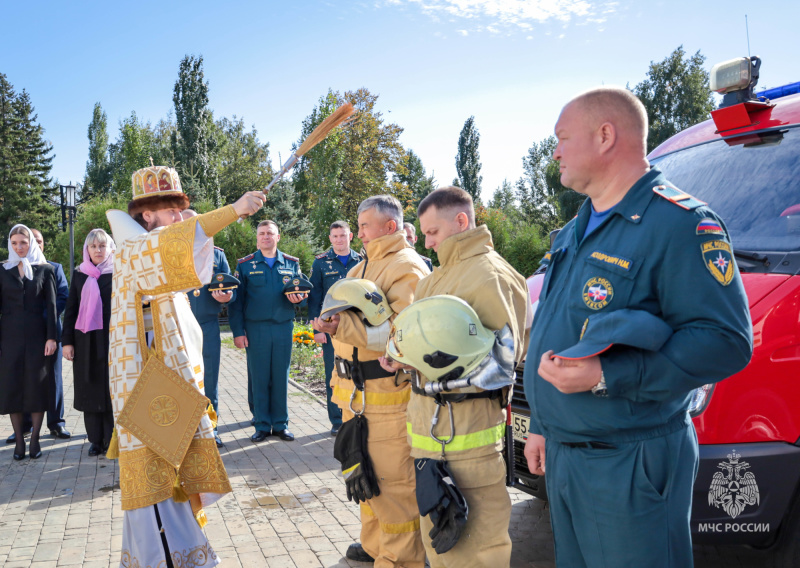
(288, 507)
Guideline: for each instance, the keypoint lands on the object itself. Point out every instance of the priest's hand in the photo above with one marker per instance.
(50, 347)
(221, 296)
(241, 342)
(328, 326)
(249, 203)
(68, 351)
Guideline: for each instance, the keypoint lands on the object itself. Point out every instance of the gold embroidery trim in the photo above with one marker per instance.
(214, 221)
(145, 478)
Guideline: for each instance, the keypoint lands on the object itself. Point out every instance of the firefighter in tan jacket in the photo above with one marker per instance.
(390, 521)
(471, 270)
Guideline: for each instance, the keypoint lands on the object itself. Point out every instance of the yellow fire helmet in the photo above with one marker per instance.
(441, 337)
(359, 294)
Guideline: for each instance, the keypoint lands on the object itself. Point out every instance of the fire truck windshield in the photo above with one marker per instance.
(752, 182)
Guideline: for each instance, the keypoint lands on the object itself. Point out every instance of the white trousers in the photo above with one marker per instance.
(141, 538)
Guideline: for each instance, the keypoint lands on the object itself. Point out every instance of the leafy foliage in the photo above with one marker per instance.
(416, 183)
(98, 167)
(27, 193)
(243, 162)
(676, 95)
(351, 164)
(193, 144)
(468, 160)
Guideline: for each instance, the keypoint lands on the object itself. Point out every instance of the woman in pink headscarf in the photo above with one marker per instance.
(85, 337)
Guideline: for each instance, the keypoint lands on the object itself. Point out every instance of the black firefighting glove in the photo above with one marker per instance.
(350, 448)
(439, 497)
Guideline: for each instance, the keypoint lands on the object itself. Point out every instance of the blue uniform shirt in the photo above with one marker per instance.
(260, 296)
(647, 254)
(327, 269)
(204, 306)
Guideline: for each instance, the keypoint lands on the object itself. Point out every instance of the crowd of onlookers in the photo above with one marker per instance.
(33, 295)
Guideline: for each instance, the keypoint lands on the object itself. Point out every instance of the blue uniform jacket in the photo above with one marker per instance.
(204, 307)
(326, 270)
(260, 295)
(648, 254)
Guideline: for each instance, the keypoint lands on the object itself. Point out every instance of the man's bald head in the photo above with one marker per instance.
(618, 106)
(188, 214)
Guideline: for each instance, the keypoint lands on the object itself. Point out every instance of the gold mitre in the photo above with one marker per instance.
(156, 180)
(155, 185)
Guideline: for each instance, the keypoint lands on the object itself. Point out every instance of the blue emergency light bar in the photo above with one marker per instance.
(778, 92)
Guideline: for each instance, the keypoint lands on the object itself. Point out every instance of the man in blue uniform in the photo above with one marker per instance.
(55, 409)
(612, 429)
(261, 319)
(330, 267)
(206, 305)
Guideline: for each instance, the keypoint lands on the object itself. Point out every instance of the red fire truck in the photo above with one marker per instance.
(745, 163)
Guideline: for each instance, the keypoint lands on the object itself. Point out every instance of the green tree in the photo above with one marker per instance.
(243, 161)
(98, 168)
(468, 160)
(504, 198)
(135, 146)
(543, 201)
(193, 144)
(27, 193)
(351, 164)
(416, 182)
(676, 95)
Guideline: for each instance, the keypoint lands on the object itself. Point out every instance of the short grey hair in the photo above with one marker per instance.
(386, 205)
(408, 225)
(97, 235)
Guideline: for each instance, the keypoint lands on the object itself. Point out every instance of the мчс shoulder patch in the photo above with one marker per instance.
(709, 227)
(718, 258)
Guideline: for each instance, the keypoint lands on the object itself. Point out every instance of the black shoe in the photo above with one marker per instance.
(13, 437)
(95, 450)
(356, 552)
(60, 432)
(218, 441)
(335, 430)
(259, 436)
(21, 456)
(284, 435)
(36, 453)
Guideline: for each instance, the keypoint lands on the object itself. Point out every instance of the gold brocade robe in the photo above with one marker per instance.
(159, 266)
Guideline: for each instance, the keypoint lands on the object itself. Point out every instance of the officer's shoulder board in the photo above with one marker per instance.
(320, 255)
(245, 259)
(290, 257)
(678, 197)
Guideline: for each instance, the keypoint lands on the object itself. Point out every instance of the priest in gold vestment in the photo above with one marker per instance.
(170, 467)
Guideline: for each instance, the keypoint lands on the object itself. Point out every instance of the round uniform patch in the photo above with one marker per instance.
(295, 282)
(597, 293)
(286, 279)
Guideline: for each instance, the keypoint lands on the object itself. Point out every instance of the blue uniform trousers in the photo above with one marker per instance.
(334, 412)
(628, 506)
(211, 355)
(268, 358)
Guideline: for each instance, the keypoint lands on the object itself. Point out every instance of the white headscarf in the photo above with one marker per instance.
(35, 255)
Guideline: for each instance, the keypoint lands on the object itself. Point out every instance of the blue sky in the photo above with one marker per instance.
(510, 63)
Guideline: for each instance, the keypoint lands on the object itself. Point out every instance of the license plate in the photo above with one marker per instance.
(519, 423)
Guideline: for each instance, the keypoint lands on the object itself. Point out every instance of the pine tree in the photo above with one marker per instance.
(27, 193)
(98, 168)
(468, 160)
(193, 143)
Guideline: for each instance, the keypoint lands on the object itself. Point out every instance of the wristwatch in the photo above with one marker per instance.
(600, 389)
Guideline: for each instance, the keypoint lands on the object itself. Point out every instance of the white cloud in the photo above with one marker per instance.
(515, 13)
